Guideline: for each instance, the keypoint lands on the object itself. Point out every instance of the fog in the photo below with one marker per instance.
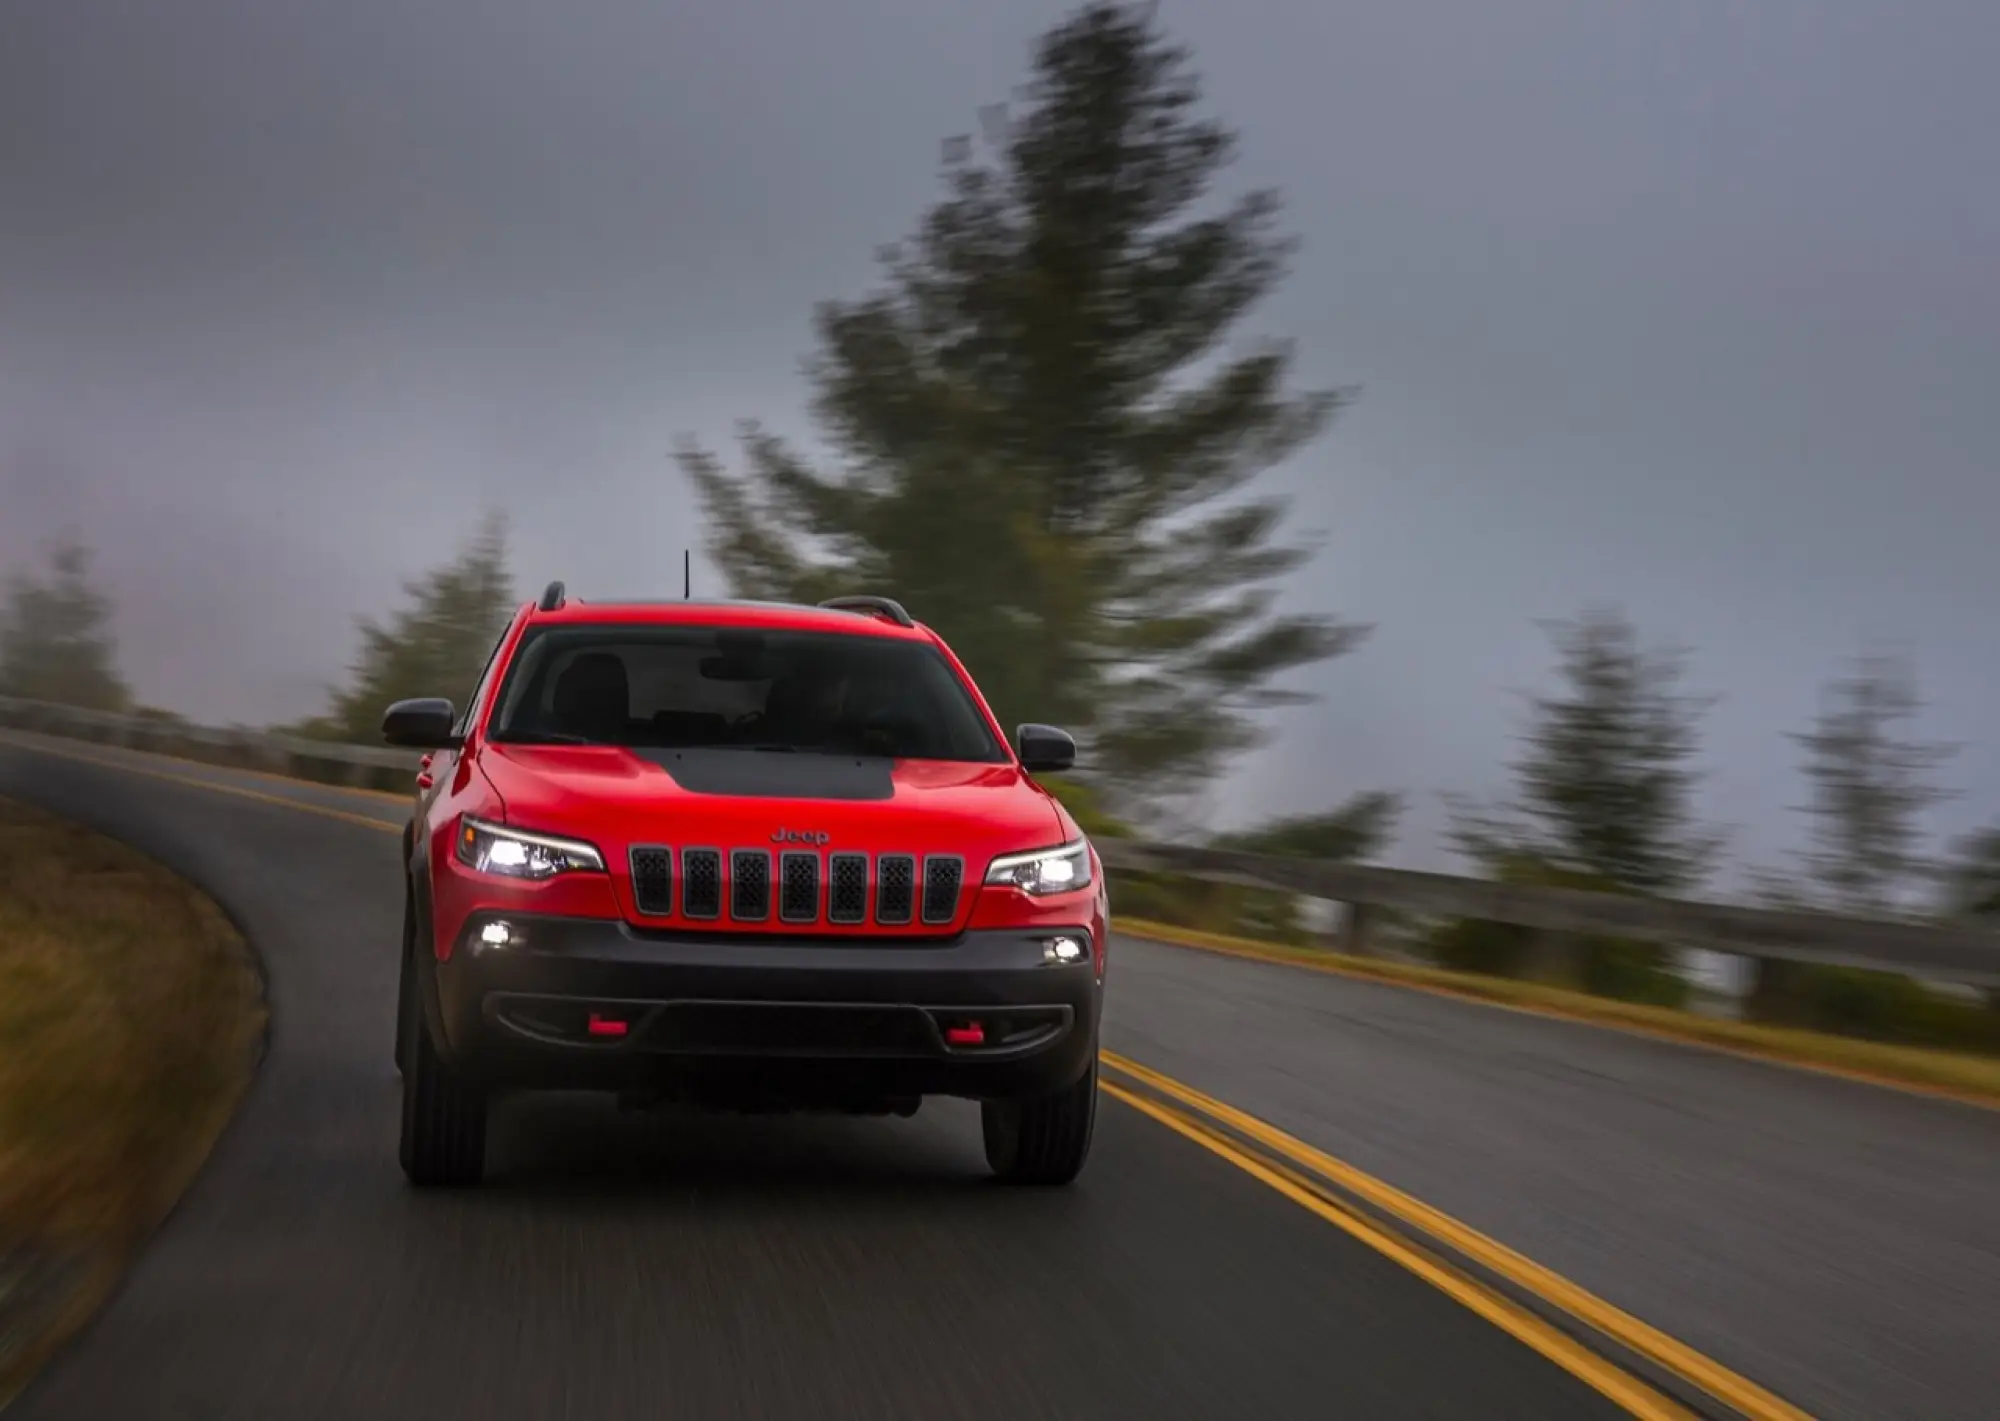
(1681, 308)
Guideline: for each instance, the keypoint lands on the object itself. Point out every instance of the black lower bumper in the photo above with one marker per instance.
(570, 1003)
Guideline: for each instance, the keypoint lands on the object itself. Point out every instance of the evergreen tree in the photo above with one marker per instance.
(1353, 832)
(1043, 448)
(1870, 788)
(1973, 883)
(436, 646)
(1605, 787)
(56, 642)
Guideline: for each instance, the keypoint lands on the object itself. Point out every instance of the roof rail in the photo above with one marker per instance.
(552, 598)
(881, 606)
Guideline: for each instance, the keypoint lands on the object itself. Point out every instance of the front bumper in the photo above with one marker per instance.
(589, 1003)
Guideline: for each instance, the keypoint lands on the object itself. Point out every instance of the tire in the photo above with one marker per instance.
(407, 984)
(1043, 1141)
(444, 1115)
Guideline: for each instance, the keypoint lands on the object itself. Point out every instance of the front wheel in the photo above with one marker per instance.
(406, 987)
(1042, 1141)
(443, 1142)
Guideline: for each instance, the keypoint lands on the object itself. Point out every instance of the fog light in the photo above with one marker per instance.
(1062, 949)
(496, 934)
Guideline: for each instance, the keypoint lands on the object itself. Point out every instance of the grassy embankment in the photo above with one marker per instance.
(130, 1017)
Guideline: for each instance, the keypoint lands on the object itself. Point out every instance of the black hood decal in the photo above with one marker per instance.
(775, 774)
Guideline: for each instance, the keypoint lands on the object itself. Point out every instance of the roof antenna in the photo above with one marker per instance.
(687, 574)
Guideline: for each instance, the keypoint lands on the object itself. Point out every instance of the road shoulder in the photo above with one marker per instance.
(131, 1012)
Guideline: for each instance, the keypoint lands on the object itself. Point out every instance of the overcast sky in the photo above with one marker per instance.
(1692, 308)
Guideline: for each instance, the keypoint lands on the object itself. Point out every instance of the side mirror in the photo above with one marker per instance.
(422, 724)
(1044, 749)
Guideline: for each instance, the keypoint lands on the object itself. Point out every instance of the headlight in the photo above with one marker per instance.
(1043, 871)
(512, 853)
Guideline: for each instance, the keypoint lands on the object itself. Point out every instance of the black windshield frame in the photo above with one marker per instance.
(912, 702)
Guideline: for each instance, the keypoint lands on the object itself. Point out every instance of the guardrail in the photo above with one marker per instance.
(1969, 956)
(357, 766)
(1965, 955)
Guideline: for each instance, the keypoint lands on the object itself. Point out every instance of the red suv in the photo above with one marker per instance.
(743, 856)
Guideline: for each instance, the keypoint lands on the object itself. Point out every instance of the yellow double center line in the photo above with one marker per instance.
(1327, 1187)
(1331, 1189)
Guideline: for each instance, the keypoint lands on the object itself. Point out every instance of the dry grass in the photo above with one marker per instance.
(129, 1018)
(1975, 1079)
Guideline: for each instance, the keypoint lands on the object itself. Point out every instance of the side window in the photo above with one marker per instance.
(482, 687)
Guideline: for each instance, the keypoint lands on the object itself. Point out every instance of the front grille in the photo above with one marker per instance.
(847, 888)
(895, 888)
(653, 879)
(749, 885)
(943, 873)
(797, 886)
(701, 883)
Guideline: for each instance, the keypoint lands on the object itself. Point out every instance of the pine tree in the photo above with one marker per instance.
(1870, 788)
(1353, 832)
(436, 646)
(1605, 787)
(1973, 882)
(1043, 448)
(56, 642)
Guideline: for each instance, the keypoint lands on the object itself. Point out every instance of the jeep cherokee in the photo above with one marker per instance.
(744, 856)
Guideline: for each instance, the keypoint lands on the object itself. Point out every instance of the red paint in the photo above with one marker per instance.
(610, 798)
(971, 1034)
(606, 1026)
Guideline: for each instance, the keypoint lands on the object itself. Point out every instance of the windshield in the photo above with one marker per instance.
(692, 687)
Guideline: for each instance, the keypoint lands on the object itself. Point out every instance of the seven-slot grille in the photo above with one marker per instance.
(653, 879)
(701, 883)
(798, 888)
(943, 873)
(847, 888)
(895, 888)
(836, 888)
(750, 885)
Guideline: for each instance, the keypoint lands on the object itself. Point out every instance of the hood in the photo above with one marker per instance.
(616, 796)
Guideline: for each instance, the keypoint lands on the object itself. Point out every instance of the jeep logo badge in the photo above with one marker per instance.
(816, 837)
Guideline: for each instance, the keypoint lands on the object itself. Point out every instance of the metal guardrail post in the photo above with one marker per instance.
(1554, 958)
(1358, 929)
(1773, 997)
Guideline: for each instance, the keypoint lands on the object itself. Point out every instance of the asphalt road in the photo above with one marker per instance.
(1832, 1241)
(1838, 1243)
(711, 1269)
